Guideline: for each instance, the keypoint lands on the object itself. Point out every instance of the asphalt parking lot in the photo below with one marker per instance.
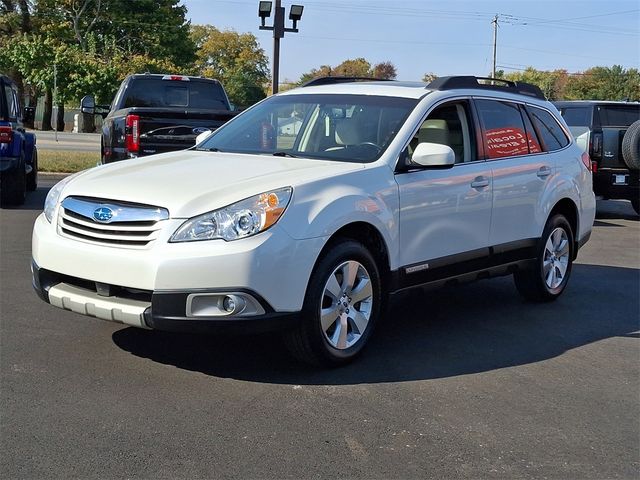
(458, 383)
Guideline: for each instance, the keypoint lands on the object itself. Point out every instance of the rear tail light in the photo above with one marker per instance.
(6, 134)
(595, 145)
(587, 161)
(132, 133)
(594, 166)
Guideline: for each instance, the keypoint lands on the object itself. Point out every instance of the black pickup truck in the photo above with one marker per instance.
(610, 133)
(159, 113)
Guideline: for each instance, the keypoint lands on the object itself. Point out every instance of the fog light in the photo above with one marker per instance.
(229, 304)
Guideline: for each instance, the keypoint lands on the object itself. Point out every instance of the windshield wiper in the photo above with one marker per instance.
(284, 154)
(213, 149)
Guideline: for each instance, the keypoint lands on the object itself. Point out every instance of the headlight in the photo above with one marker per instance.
(53, 196)
(239, 220)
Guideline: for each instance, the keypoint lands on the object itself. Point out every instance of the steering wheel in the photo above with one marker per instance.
(371, 145)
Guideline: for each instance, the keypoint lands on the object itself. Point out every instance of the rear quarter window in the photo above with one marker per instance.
(617, 115)
(548, 128)
(576, 116)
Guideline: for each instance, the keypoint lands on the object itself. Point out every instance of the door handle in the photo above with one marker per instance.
(544, 172)
(480, 182)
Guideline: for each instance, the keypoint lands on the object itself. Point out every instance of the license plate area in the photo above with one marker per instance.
(620, 179)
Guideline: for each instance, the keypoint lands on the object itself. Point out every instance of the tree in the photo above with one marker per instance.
(605, 83)
(386, 70)
(429, 77)
(235, 59)
(357, 67)
(552, 83)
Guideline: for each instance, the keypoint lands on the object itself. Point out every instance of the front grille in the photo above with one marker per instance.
(109, 222)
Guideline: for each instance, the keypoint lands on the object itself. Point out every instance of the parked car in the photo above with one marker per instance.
(159, 113)
(18, 153)
(382, 187)
(610, 133)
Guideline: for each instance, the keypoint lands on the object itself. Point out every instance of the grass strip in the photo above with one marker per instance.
(56, 161)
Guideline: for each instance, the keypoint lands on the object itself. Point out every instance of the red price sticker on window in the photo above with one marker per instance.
(509, 142)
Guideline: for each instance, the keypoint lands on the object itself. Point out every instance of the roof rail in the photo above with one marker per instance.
(451, 83)
(333, 80)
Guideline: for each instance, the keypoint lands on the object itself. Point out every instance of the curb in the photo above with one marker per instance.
(52, 175)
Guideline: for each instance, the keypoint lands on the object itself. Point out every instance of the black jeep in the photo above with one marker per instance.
(610, 133)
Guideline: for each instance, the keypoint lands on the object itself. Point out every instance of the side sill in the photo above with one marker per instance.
(495, 261)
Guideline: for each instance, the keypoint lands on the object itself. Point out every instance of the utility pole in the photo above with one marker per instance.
(495, 43)
(278, 33)
(55, 101)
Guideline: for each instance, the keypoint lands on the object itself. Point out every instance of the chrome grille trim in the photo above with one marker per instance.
(122, 212)
(132, 225)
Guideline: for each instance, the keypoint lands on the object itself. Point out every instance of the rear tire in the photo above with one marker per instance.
(13, 186)
(547, 279)
(631, 146)
(635, 203)
(32, 178)
(341, 307)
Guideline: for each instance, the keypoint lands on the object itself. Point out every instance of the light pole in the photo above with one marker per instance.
(278, 28)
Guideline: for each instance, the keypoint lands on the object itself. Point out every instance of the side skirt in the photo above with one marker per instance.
(494, 261)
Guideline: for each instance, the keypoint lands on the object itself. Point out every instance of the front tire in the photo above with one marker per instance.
(547, 279)
(341, 307)
(635, 203)
(32, 178)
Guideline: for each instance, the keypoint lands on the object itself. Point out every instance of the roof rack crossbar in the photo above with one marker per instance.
(333, 80)
(468, 81)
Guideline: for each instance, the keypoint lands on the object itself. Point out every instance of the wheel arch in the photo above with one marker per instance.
(370, 237)
(569, 210)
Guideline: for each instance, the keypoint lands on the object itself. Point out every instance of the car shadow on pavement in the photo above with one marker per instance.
(615, 210)
(34, 200)
(433, 334)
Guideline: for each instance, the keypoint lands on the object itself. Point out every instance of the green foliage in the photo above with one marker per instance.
(605, 83)
(597, 83)
(357, 67)
(233, 58)
(552, 84)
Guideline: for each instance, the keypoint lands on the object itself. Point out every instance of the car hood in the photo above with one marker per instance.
(191, 182)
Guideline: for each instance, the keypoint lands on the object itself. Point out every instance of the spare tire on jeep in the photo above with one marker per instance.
(631, 146)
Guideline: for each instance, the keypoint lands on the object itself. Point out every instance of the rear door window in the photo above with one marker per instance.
(548, 128)
(157, 93)
(503, 129)
(617, 115)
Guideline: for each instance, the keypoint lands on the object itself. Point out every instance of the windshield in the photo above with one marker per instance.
(348, 128)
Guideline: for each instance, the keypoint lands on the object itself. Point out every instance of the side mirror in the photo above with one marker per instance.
(88, 105)
(203, 136)
(433, 155)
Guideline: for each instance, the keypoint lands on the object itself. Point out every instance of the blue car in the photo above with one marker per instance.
(18, 154)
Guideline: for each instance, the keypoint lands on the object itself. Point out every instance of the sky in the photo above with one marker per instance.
(445, 37)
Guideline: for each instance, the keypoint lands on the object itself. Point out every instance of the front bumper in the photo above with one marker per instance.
(150, 310)
(271, 267)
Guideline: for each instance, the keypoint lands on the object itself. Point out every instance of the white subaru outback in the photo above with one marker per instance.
(307, 210)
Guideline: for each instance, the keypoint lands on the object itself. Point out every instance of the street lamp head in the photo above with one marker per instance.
(295, 13)
(264, 11)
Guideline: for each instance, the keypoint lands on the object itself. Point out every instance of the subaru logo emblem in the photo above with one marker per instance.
(103, 214)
